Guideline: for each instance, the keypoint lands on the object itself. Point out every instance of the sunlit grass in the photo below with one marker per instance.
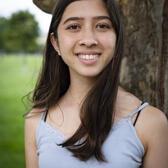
(17, 78)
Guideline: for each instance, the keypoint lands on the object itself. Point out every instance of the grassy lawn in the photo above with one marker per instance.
(17, 78)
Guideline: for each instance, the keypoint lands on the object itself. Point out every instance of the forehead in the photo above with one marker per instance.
(85, 8)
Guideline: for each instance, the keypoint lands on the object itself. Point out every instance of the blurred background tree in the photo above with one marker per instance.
(3, 26)
(19, 33)
(19, 65)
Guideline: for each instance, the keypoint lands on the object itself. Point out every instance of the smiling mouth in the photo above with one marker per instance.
(87, 56)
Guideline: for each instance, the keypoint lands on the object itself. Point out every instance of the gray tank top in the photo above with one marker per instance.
(122, 148)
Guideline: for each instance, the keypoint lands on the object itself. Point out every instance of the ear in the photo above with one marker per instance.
(54, 42)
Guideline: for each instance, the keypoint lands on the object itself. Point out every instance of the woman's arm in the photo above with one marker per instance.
(156, 136)
(30, 142)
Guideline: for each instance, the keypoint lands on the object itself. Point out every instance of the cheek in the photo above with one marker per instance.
(65, 42)
(109, 42)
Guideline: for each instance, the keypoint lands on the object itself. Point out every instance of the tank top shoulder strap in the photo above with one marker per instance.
(141, 107)
(44, 115)
(137, 111)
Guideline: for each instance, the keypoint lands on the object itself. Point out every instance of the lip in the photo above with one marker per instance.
(88, 61)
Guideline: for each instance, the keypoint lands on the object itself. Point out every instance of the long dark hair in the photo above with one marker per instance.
(97, 111)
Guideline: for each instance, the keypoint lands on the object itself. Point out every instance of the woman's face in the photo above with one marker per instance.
(86, 38)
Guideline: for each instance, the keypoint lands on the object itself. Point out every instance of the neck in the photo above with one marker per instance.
(79, 87)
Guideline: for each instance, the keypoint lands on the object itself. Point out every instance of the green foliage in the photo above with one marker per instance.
(19, 33)
(3, 26)
(18, 76)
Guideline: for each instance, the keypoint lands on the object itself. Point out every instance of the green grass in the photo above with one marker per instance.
(17, 77)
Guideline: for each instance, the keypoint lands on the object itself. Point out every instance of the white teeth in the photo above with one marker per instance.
(88, 57)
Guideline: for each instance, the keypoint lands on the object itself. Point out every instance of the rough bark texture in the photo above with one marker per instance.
(45, 5)
(144, 70)
(145, 64)
(164, 60)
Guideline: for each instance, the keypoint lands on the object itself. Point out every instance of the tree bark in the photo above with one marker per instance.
(164, 59)
(143, 68)
(45, 5)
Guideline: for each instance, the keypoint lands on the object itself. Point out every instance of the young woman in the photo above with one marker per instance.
(81, 117)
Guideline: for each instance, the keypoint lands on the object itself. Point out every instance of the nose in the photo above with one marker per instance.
(88, 39)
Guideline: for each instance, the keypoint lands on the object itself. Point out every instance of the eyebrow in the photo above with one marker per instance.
(81, 18)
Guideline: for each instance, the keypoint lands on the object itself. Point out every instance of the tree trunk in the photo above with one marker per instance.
(144, 70)
(164, 58)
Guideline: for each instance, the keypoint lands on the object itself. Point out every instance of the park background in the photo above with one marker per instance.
(23, 30)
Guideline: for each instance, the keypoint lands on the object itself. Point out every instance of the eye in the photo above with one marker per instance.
(73, 27)
(103, 26)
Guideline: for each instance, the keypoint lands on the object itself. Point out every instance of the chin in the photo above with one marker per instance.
(90, 75)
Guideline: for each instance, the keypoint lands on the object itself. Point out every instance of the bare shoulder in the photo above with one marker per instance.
(33, 116)
(126, 102)
(152, 126)
(32, 120)
(151, 120)
(155, 114)
(154, 119)
(31, 123)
